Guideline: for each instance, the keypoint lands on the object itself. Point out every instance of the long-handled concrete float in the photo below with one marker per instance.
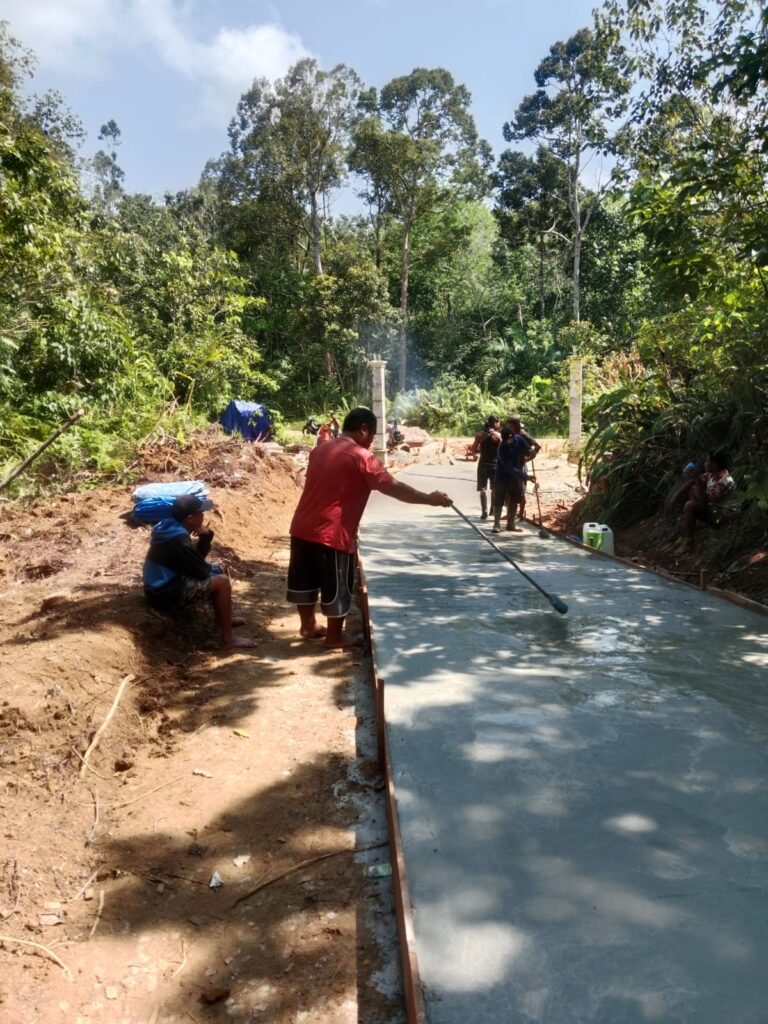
(557, 604)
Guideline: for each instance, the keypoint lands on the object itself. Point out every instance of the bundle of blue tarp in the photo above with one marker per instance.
(250, 419)
(153, 502)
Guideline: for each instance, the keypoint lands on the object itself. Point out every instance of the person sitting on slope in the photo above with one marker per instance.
(177, 575)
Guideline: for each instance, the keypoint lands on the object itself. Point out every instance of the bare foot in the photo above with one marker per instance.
(314, 633)
(239, 641)
(345, 642)
(238, 620)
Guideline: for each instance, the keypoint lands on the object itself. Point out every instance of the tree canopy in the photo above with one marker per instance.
(476, 282)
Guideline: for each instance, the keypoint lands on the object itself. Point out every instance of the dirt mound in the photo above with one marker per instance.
(656, 542)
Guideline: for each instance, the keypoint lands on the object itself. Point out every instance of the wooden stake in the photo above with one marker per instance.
(99, 732)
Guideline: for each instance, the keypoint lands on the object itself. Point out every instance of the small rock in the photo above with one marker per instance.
(209, 996)
(111, 992)
(241, 860)
(216, 881)
(49, 920)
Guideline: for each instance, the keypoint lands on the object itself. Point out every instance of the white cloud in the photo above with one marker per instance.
(78, 36)
(62, 33)
(227, 65)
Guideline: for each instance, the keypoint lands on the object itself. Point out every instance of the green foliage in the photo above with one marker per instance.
(155, 315)
(96, 448)
(120, 305)
(581, 95)
(418, 150)
(459, 407)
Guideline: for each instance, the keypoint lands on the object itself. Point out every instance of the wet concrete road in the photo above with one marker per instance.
(583, 799)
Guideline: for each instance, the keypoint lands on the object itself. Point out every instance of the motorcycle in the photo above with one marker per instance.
(395, 436)
(311, 427)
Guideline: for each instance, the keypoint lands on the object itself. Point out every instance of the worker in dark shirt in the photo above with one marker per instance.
(485, 445)
(509, 485)
(516, 427)
(176, 573)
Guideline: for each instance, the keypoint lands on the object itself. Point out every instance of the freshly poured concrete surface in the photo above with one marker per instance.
(583, 799)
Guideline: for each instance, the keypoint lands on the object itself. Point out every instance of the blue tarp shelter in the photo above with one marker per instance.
(249, 419)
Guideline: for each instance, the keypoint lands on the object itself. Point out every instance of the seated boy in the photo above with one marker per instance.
(176, 573)
(709, 496)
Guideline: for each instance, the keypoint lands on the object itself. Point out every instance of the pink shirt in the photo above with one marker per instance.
(340, 477)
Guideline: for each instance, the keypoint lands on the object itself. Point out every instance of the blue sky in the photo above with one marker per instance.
(170, 72)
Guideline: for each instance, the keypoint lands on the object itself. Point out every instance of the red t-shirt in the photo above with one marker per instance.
(340, 477)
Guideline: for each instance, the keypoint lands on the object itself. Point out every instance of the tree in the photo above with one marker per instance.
(109, 174)
(581, 92)
(531, 205)
(289, 139)
(418, 145)
(698, 132)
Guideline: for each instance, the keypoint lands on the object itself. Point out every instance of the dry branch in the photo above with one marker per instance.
(303, 864)
(96, 919)
(40, 449)
(88, 766)
(44, 949)
(91, 878)
(133, 799)
(99, 732)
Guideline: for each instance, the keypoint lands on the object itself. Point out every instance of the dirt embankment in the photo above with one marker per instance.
(256, 767)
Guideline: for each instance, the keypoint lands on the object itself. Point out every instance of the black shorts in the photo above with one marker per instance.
(486, 471)
(509, 488)
(315, 569)
(712, 514)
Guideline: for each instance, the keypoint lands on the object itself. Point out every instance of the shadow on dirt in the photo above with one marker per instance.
(282, 914)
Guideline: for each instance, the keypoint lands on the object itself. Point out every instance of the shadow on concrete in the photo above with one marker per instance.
(582, 798)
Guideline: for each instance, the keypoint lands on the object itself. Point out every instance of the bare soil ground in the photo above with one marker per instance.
(257, 766)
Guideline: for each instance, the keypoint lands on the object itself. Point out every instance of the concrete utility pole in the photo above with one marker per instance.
(574, 409)
(379, 406)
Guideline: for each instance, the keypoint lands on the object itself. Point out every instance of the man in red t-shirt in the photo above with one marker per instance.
(340, 477)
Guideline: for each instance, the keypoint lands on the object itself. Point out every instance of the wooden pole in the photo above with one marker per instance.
(38, 451)
(574, 408)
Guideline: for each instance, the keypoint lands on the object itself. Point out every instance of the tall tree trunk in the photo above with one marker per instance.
(578, 234)
(315, 226)
(577, 275)
(542, 304)
(403, 341)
